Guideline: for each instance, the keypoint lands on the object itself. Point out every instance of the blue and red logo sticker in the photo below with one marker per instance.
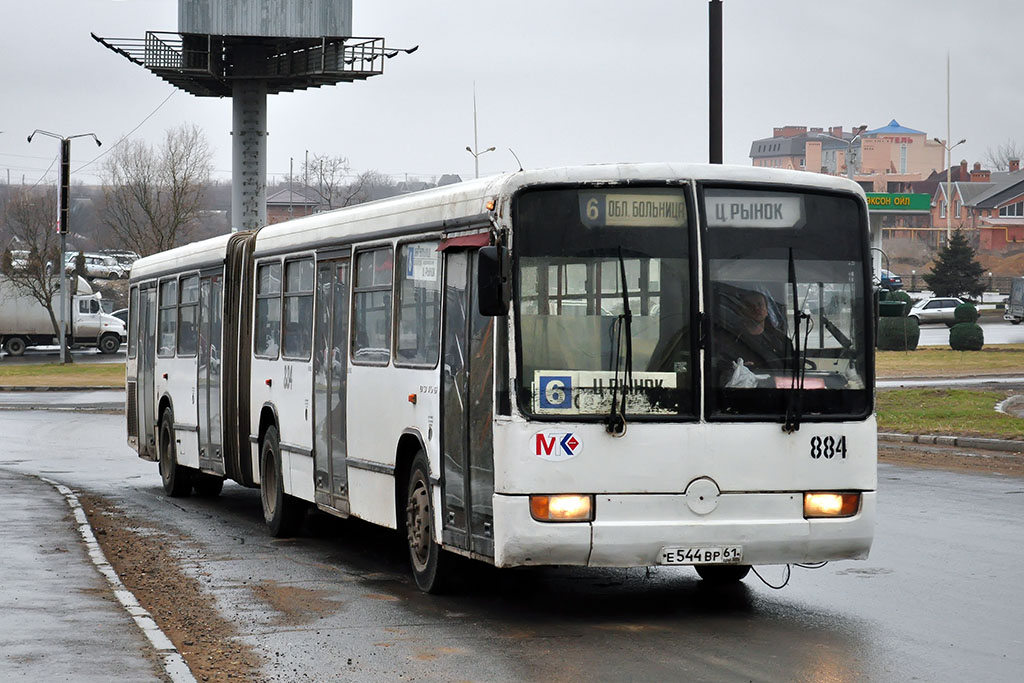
(551, 445)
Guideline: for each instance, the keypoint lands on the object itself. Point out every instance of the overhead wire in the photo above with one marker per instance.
(124, 137)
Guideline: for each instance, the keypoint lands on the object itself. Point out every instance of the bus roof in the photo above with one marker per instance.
(196, 254)
(452, 206)
(460, 205)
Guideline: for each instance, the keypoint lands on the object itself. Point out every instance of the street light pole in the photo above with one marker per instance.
(63, 190)
(849, 148)
(475, 151)
(949, 183)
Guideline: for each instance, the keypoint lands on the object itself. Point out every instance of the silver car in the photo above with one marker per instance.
(937, 309)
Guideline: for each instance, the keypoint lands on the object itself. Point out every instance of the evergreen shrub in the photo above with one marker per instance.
(966, 313)
(966, 336)
(898, 333)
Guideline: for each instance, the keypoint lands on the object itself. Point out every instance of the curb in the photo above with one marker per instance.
(100, 388)
(1006, 445)
(173, 662)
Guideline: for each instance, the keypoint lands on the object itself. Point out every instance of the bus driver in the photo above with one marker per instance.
(753, 337)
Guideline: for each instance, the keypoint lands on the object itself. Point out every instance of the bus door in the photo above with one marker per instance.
(467, 374)
(330, 366)
(211, 452)
(144, 374)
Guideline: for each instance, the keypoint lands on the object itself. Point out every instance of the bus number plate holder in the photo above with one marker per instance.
(729, 554)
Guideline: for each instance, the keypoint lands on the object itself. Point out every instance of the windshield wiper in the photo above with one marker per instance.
(616, 422)
(794, 408)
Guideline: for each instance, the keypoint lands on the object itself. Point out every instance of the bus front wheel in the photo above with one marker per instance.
(282, 513)
(431, 566)
(177, 479)
(722, 573)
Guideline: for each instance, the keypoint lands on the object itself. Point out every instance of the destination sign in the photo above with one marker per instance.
(734, 209)
(633, 208)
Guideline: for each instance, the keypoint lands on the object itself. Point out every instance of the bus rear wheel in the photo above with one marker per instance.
(431, 566)
(282, 513)
(722, 573)
(177, 479)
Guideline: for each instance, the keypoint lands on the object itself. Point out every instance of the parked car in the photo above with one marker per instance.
(122, 315)
(936, 309)
(891, 281)
(125, 258)
(98, 265)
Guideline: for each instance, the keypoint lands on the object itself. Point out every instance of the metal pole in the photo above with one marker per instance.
(476, 146)
(715, 81)
(249, 144)
(949, 162)
(62, 217)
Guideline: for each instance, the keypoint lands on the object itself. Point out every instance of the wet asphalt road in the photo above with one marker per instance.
(939, 599)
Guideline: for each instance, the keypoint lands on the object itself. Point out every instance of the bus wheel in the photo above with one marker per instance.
(722, 573)
(109, 343)
(207, 485)
(176, 478)
(15, 346)
(281, 512)
(431, 566)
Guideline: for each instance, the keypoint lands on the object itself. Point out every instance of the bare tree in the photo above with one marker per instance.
(332, 180)
(153, 197)
(31, 261)
(326, 175)
(999, 158)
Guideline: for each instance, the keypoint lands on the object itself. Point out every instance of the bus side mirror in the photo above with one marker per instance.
(493, 284)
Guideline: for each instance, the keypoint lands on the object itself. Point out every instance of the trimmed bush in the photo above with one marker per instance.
(891, 309)
(898, 333)
(966, 313)
(966, 336)
(908, 301)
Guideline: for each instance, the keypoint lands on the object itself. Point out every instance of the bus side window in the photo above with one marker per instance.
(372, 307)
(187, 318)
(168, 317)
(419, 304)
(297, 342)
(267, 340)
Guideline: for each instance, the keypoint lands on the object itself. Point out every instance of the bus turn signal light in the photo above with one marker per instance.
(562, 508)
(818, 505)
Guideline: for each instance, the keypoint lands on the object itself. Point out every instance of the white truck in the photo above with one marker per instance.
(24, 322)
(1015, 304)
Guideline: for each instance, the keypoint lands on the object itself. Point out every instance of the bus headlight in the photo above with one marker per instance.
(820, 504)
(562, 508)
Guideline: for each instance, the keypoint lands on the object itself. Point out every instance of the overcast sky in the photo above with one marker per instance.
(558, 81)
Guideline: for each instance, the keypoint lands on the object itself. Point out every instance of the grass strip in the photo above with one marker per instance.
(963, 412)
(933, 361)
(57, 375)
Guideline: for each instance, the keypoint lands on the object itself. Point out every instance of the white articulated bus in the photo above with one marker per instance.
(609, 365)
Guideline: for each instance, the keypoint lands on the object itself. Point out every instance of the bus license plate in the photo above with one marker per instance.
(730, 554)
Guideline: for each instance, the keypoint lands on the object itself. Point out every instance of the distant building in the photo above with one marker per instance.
(887, 159)
(288, 204)
(989, 205)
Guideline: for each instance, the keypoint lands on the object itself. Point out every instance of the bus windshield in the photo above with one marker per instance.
(584, 333)
(786, 304)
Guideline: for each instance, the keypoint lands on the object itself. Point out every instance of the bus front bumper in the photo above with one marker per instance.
(632, 530)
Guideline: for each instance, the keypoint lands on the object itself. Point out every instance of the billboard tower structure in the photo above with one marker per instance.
(246, 50)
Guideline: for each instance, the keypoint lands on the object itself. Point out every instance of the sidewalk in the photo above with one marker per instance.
(59, 619)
